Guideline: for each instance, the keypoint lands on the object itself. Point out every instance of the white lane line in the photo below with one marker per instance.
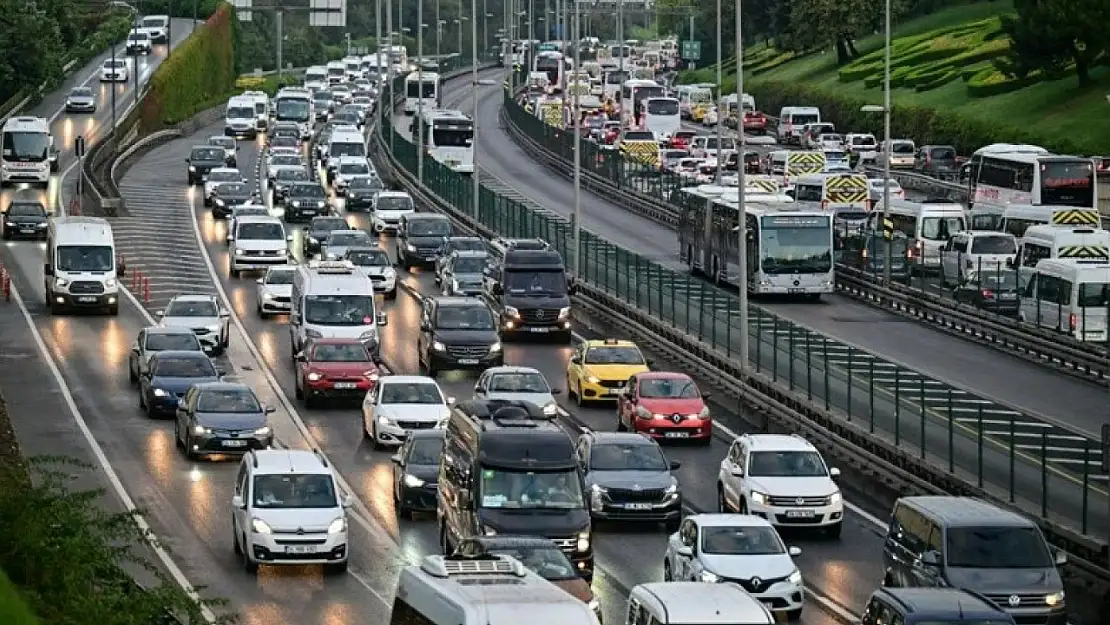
(102, 459)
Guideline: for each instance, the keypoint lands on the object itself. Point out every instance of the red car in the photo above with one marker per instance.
(335, 369)
(681, 139)
(665, 405)
(755, 121)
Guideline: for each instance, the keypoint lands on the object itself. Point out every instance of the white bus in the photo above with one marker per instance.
(337, 72)
(661, 117)
(928, 225)
(633, 94)
(449, 138)
(554, 64)
(999, 179)
(612, 82)
(295, 107)
(421, 90)
(28, 152)
(1017, 218)
(1069, 295)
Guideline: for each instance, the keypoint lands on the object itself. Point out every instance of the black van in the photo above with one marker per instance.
(509, 469)
(530, 292)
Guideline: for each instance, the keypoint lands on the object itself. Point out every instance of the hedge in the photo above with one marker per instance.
(266, 84)
(198, 75)
(13, 609)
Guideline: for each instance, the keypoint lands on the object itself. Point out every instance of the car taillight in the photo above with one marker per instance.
(1073, 322)
(987, 294)
(824, 205)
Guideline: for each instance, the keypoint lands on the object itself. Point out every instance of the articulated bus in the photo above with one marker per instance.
(449, 138)
(789, 249)
(421, 91)
(997, 179)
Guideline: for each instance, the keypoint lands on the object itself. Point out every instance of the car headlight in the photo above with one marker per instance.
(758, 498)
(438, 346)
(369, 335)
(160, 393)
(835, 498)
(1054, 599)
(110, 283)
(60, 283)
(564, 312)
(313, 377)
(551, 409)
(258, 526)
(389, 274)
(496, 347)
(192, 169)
(320, 204)
(312, 240)
(670, 490)
(338, 525)
(412, 481)
(455, 286)
(296, 203)
(410, 247)
(239, 252)
(215, 327)
(583, 543)
(795, 577)
(219, 202)
(262, 431)
(595, 605)
(267, 296)
(593, 379)
(710, 577)
(200, 429)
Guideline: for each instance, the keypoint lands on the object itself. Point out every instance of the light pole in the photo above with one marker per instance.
(113, 87)
(720, 101)
(742, 218)
(577, 39)
(420, 91)
(485, 30)
(885, 109)
(378, 56)
(459, 27)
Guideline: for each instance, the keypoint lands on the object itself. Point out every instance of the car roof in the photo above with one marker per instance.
(258, 219)
(621, 438)
(405, 379)
(169, 330)
(193, 297)
(966, 511)
(609, 343)
(271, 461)
(511, 369)
(510, 541)
(180, 354)
(435, 433)
(223, 386)
(777, 442)
(449, 300)
(350, 232)
(470, 253)
(715, 519)
(663, 375)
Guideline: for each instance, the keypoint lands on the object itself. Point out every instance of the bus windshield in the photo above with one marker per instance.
(28, 147)
(664, 106)
(292, 109)
(796, 244)
(1068, 183)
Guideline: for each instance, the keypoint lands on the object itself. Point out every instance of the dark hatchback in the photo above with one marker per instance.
(203, 159)
(24, 218)
(221, 418)
(305, 200)
(169, 375)
(629, 479)
(317, 231)
(228, 195)
(995, 292)
(416, 471)
(361, 193)
(457, 333)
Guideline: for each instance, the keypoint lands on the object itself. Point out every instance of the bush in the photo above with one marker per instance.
(13, 609)
(989, 81)
(269, 85)
(199, 75)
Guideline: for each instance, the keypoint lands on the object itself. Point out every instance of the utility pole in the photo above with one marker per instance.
(439, 30)
(277, 21)
(476, 181)
(388, 108)
(577, 149)
(378, 56)
(420, 87)
(115, 144)
(742, 221)
(720, 103)
(620, 64)
(886, 144)
(693, 63)
(347, 36)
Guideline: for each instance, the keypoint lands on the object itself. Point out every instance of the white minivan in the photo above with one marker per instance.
(792, 119)
(983, 252)
(1070, 295)
(257, 244)
(81, 270)
(333, 299)
(927, 224)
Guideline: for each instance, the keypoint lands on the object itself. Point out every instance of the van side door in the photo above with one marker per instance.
(1051, 301)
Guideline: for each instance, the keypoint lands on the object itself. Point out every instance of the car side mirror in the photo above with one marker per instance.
(348, 501)
(187, 160)
(1061, 558)
(259, 281)
(497, 290)
(556, 391)
(450, 401)
(289, 238)
(383, 320)
(230, 237)
(396, 458)
(685, 551)
(301, 357)
(930, 558)
(224, 312)
(238, 503)
(675, 465)
(269, 409)
(649, 361)
(737, 472)
(1009, 263)
(794, 551)
(478, 390)
(834, 472)
(159, 313)
(221, 372)
(47, 270)
(575, 360)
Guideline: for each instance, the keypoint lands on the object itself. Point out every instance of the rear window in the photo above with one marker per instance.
(901, 148)
(1094, 295)
(993, 245)
(942, 154)
(639, 136)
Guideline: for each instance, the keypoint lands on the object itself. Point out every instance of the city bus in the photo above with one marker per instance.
(999, 179)
(421, 91)
(633, 93)
(552, 63)
(28, 153)
(661, 117)
(295, 105)
(611, 83)
(449, 138)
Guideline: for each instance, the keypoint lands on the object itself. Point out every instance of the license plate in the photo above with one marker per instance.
(637, 506)
(312, 212)
(1008, 296)
(345, 385)
(795, 290)
(539, 330)
(88, 299)
(299, 549)
(613, 391)
(429, 258)
(799, 514)
(235, 443)
(468, 361)
(677, 435)
(27, 230)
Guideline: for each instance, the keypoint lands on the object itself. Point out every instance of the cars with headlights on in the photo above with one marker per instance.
(152, 340)
(742, 549)
(374, 262)
(287, 509)
(420, 237)
(317, 231)
(400, 404)
(81, 100)
(284, 142)
(275, 290)
(25, 217)
(244, 210)
(305, 200)
(202, 160)
(457, 333)
(350, 168)
(258, 243)
(389, 208)
(201, 314)
(628, 479)
(335, 246)
(221, 418)
(284, 179)
(284, 129)
(463, 273)
(517, 384)
(599, 369)
(227, 195)
(138, 42)
(218, 176)
(361, 193)
(665, 405)
(416, 473)
(229, 145)
(334, 369)
(278, 161)
(782, 478)
(115, 70)
(169, 375)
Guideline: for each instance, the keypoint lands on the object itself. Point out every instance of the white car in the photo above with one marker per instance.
(138, 42)
(374, 262)
(258, 243)
(203, 315)
(277, 162)
(975, 251)
(115, 70)
(400, 404)
(349, 168)
(738, 548)
(830, 141)
(287, 509)
(218, 176)
(875, 185)
(275, 290)
(389, 208)
(783, 478)
(245, 210)
(517, 384)
(902, 154)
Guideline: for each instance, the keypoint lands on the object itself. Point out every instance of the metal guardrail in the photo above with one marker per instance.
(1055, 350)
(895, 421)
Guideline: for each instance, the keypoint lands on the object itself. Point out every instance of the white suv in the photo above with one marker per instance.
(287, 509)
(782, 478)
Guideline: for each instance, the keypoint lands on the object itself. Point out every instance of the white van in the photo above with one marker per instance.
(927, 224)
(833, 191)
(353, 67)
(333, 299)
(81, 270)
(982, 252)
(1044, 241)
(316, 78)
(337, 72)
(257, 243)
(1070, 296)
(1016, 218)
(343, 143)
(792, 119)
(694, 603)
(261, 108)
(240, 118)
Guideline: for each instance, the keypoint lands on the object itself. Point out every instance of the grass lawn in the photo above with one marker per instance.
(13, 610)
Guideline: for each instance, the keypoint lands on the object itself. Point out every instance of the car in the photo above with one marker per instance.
(227, 195)
(629, 479)
(347, 117)
(335, 246)
(203, 315)
(739, 548)
(221, 418)
(518, 384)
(138, 42)
(285, 142)
(755, 122)
(169, 375)
(115, 70)
(284, 179)
(918, 606)
(334, 369)
(275, 290)
(284, 129)
(150, 341)
(664, 405)
(229, 145)
(938, 161)
(416, 473)
(902, 154)
(457, 333)
(463, 274)
(342, 93)
(400, 404)
(599, 368)
(287, 509)
(305, 200)
(220, 175)
(811, 134)
(244, 210)
(454, 244)
(324, 104)
(156, 26)
(25, 217)
(389, 208)
(984, 251)
(258, 243)
(875, 186)
(361, 193)
(81, 100)
(202, 160)
(993, 291)
(539, 555)
(277, 161)
(830, 141)
(419, 239)
(350, 168)
(783, 478)
(374, 262)
(318, 230)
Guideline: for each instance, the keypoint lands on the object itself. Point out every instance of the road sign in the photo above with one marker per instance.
(246, 6)
(888, 229)
(1106, 447)
(327, 13)
(691, 50)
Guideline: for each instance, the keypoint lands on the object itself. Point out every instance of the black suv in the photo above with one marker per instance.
(530, 293)
(24, 218)
(950, 606)
(229, 195)
(285, 178)
(420, 237)
(203, 159)
(317, 231)
(361, 193)
(305, 200)
(457, 333)
(615, 460)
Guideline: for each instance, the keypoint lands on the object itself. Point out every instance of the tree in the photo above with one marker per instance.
(1050, 35)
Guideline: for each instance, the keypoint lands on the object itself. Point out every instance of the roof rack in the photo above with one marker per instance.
(332, 267)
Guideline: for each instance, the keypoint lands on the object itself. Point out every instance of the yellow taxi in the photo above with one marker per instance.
(599, 368)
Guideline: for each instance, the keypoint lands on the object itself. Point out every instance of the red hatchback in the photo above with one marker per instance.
(334, 368)
(665, 405)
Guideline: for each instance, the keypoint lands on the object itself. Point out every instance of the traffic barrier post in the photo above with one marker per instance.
(146, 290)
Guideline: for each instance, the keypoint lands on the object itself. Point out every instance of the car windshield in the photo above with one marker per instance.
(307, 190)
(354, 169)
(670, 388)
(786, 464)
(614, 355)
(153, 22)
(340, 352)
(339, 310)
(233, 188)
(518, 383)
(113, 64)
(942, 154)
(283, 276)
(411, 393)
(328, 224)
(469, 245)
(157, 342)
(348, 238)
(224, 176)
(464, 318)
(251, 211)
(561, 490)
(207, 154)
(240, 112)
(183, 368)
(470, 265)
(228, 400)
(994, 244)
(223, 142)
(347, 117)
(741, 541)
(26, 209)
(264, 231)
(425, 451)
(429, 228)
(550, 283)
(192, 308)
(81, 92)
(627, 457)
(312, 490)
(291, 175)
(368, 183)
(347, 149)
(940, 228)
(283, 141)
(287, 160)
(997, 548)
(394, 204)
(369, 258)
(863, 140)
(549, 563)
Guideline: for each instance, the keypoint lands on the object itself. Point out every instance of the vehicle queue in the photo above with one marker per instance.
(500, 520)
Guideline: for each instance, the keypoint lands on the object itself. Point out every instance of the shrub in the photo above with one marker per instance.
(13, 609)
(936, 80)
(989, 81)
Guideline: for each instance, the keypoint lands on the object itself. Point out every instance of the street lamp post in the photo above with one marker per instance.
(885, 109)
(475, 179)
(420, 91)
(577, 40)
(459, 27)
(720, 102)
(742, 218)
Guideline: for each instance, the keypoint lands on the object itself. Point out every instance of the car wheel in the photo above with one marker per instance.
(297, 389)
(620, 421)
(309, 398)
(444, 542)
(262, 314)
(672, 525)
(233, 272)
(335, 568)
(578, 401)
(833, 531)
(189, 453)
(235, 541)
(374, 436)
(668, 576)
(392, 295)
(403, 511)
(131, 373)
(722, 504)
(177, 434)
(743, 507)
(248, 565)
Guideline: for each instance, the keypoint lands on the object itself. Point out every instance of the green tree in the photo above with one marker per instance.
(30, 47)
(1051, 35)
